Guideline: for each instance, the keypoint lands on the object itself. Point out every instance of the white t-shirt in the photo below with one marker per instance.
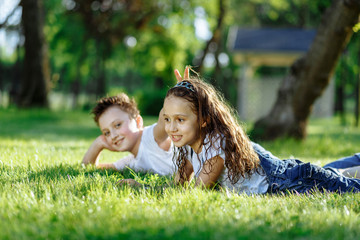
(256, 184)
(150, 156)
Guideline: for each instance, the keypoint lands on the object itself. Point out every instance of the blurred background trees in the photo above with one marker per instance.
(100, 47)
(310, 75)
(34, 83)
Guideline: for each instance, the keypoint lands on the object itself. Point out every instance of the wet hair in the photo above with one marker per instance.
(121, 100)
(221, 126)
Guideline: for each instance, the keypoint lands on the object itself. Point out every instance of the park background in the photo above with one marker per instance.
(82, 50)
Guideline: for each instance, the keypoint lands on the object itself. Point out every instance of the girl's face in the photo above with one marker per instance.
(181, 123)
(121, 132)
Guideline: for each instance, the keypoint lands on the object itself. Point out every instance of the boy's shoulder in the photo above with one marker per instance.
(148, 131)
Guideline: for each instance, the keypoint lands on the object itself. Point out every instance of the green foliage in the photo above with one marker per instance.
(356, 28)
(347, 73)
(46, 194)
(76, 46)
(150, 101)
(279, 13)
(87, 40)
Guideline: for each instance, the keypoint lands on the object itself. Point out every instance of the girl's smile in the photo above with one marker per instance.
(181, 122)
(175, 138)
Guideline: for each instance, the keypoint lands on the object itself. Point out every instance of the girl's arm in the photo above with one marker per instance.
(210, 172)
(188, 171)
(160, 135)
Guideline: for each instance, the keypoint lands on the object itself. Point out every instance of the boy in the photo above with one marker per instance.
(122, 131)
(122, 126)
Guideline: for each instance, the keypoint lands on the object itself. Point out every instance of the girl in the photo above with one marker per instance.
(213, 146)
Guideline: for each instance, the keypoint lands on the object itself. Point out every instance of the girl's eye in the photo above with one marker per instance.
(166, 119)
(117, 125)
(106, 134)
(181, 120)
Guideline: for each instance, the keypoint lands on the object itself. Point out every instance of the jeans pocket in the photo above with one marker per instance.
(314, 172)
(299, 177)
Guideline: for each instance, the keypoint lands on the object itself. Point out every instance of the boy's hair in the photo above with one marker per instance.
(210, 107)
(121, 100)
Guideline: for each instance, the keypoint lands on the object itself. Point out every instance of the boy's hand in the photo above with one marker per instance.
(186, 74)
(93, 153)
(101, 140)
(130, 182)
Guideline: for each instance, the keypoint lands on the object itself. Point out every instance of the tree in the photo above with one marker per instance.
(357, 88)
(108, 23)
(310, 74)
(215, 39)
(35, 81)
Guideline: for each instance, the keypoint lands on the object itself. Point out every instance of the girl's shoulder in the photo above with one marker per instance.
(216, 142)
(214, 146)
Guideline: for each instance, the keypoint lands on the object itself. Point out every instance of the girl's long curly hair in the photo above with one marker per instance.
(210, 107)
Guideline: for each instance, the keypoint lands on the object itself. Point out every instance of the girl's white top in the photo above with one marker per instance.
(256, 184)
(150, 156)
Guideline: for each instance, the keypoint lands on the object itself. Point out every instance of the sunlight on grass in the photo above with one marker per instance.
(46, 194)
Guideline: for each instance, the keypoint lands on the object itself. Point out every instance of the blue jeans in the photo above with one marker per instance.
(345, 162)
(295, 176)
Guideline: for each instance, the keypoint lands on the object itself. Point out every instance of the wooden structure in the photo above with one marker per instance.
(274, 48)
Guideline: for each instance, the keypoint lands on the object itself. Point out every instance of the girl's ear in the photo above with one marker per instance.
(139, 122)
(206, 121)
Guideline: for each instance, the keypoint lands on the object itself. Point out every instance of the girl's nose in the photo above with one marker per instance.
(173, 127)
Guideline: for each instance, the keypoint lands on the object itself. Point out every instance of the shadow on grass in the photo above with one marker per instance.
(44, 124)
(49, 125)
(56, 173)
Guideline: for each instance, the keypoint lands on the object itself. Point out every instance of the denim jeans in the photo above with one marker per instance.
(345, 162)
(295, 176)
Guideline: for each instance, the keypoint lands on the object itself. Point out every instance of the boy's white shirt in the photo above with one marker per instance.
(150, 156)
(256, 184)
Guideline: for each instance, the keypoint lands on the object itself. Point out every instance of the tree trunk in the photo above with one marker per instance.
(1, 74)
(216, 37)
(16, 76)
(340, 98)
(357, 95)
(35, 81)
(309, 75)
(340, 88)
(357, 105)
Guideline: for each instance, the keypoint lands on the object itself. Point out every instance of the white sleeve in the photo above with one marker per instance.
(124, 162)
(215, 150)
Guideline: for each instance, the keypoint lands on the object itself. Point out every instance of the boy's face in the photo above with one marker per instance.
(181, 122)
(121, 132)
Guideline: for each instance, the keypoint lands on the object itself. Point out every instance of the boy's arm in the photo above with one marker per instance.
(93, 153)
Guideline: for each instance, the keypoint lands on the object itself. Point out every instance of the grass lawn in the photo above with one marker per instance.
(46, 194)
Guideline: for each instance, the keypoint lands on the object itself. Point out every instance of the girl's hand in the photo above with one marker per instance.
(186, 74)
(130, 182)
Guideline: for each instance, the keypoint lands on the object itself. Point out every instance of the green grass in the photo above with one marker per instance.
(46, 194)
